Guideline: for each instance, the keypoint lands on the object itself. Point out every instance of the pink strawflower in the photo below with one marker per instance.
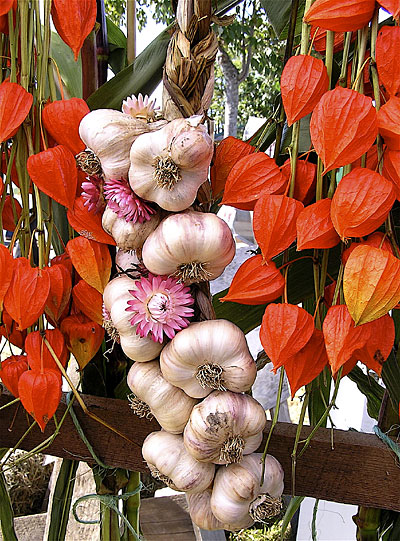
(91, 193)
(139, 107)
(123, 200)
(160, 306)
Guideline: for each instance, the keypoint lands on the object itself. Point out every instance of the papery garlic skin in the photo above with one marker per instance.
(201, 513)
(209, 355)
(110, 134)
(224, 427)
(169, 461)
(115, 297)
(128, 235)
(237, 487)
(126, 260)
(193, 246)
(169, 166)
(169, 405)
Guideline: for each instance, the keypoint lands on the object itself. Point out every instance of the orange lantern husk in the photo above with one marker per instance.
(315, 228)
(340, 15)
(92, 261)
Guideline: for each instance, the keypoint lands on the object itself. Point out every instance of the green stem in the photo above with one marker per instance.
(314, 521)
(132, 505)
(330, 37)
(297, 439)
(109, 524)
(367, 521)
(13, 74)
(343, 71)
(6, 512)
(62, 498)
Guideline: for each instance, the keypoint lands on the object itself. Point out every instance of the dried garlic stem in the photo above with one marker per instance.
(232, 449)
(139, 407)
(166, 172)
(265, 507)
(192, 272)
(88, 162)
(210, 375)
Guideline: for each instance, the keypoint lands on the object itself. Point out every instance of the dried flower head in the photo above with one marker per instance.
(160, 306)
(139, 107)
(124, 202)
(92, 194)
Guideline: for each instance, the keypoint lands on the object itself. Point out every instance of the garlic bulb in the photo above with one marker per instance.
(201, 513)
(128, 235)
(224, 427)
(237, 496)
(109, 134)
(117, 321)
(209, 355)
(193, 246)
(169, 405)
(169, 461)
(169, 166)
(126, 260)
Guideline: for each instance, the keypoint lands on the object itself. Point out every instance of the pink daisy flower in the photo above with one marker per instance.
(160, 306)
(123, 201)
(91, 193)
(139, 107)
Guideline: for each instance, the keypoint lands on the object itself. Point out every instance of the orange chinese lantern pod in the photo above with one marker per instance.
(343, 127)
(9, 222)
(62, 118)
(11, 370)
(285, 330)
(371, 283)
(54, 173)
(39, 355)
(274, 223)
(228, 152)
(87, 223)
(6, 272)
(303, 367)
(377, 348)
(387, 57)
(5, 6)
(315, 228)
(83, 337)
(392, 6)
(88, 301)
(371, 161)
(361, 203)
(26, 297)
(377, 239)
(340, 15)
(8, 329)
(255, 282)
(40, 394)
(318, 37)
(329, 292)
(306, 178)
(15, 104)
(391, 169)
(341, 337)
(74, 20)
(250, 177)
(92, 260)
(60, 292)
(303, 82)
(389, 123)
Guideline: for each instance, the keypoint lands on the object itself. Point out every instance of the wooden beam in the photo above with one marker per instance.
(359, 469)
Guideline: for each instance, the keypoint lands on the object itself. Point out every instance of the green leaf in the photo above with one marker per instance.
(391, 378)
(6, 512)
(117, 47)
(143, 75)
(279, 14)
(370, 389)
(300, 288)
(293, 506)
(70, 71)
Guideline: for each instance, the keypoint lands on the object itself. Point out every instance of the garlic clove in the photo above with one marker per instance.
(169, 461)
(110, 134)
(201, 513)
(238, 496)
(169, 166)
(128, 235)
(169, 405)
(224, 427)
(209, 355)
(193, 246)
(126, 260)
